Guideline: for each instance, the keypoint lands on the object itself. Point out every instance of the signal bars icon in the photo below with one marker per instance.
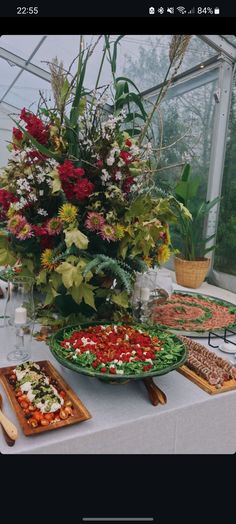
(192, 11)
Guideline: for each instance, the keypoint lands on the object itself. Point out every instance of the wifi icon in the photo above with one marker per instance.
(181, 10)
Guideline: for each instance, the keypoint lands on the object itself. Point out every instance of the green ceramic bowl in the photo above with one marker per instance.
(170, 342)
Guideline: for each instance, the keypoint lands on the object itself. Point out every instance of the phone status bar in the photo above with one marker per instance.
(181, 10)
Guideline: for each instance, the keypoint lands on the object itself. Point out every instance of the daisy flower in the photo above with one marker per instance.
(94, 221)
(47, 259)
(108, 233)
(25, 233)
(119, 231)
(54, 226)
(16, 223)
(68, 213)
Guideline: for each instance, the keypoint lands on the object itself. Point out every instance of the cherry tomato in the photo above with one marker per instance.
(62, 393)
(38, 416)
(24, 404)
(49, 416)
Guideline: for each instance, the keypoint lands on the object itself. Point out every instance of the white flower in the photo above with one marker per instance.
(134, 150)
(119, 371)
(105, 176)
(32, 197)
(42, 212)
(110, 160)
(118, 175)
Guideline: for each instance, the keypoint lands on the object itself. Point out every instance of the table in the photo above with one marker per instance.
(124, 421)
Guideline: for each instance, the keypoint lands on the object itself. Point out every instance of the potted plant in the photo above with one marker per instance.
(191, 264)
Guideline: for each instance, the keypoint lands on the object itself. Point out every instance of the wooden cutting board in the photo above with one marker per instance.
(229, 385)
(80, 411)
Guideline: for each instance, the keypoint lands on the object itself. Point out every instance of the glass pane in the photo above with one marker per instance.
(25, 92)
(230, 38)
(7, 74)
(146, 58)
(183, 133)
(20, 45)
(225, 254)
(186, 124)
(6, 125)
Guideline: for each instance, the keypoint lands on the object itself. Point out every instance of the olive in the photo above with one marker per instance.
(28, 415)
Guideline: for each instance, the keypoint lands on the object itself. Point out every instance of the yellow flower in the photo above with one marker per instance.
(167, 239)
(68, 213)
(47, 260)
(120, 231)
(163, 254)
(148, 261)
(11, 211)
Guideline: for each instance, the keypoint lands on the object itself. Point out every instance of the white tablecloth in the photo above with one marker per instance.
(124, 421)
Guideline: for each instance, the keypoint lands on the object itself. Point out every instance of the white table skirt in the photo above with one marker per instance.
(124, 421)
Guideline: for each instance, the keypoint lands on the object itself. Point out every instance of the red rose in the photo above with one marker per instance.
(126, 157)
(83, 189)
(103, 370)
(127, 184)
(128, 142)
(24, 114)
(40, 230)
(35, 127)
(79, 171)
(6, 198)
(68, 190)
(17, 133)
(66, 169)
(113, 371)
(99, 163)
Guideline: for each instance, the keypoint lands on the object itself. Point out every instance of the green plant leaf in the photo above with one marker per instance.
(42, 277)
(56, 280)
(122, 299)
(68, 273)
(75, 236)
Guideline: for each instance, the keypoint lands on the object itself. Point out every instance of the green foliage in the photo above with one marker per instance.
(192, 242)
(6, 255)
(110, 266)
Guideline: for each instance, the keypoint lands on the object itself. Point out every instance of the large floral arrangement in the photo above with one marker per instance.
(78, 209)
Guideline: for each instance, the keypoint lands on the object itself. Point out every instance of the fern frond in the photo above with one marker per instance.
(137, 264)
(112, 266)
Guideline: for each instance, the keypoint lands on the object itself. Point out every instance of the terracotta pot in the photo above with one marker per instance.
(191, 273)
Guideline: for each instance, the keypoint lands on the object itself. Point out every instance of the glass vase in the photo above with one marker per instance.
(19, 317)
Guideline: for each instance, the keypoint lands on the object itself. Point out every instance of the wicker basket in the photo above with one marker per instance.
(191, 273)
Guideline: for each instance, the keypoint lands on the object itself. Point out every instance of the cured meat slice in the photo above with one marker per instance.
(207, 364)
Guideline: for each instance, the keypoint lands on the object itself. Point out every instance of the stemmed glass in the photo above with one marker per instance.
(19, 318)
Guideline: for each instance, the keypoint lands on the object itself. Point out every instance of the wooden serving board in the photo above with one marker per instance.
(80, 411)
(229, 385)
